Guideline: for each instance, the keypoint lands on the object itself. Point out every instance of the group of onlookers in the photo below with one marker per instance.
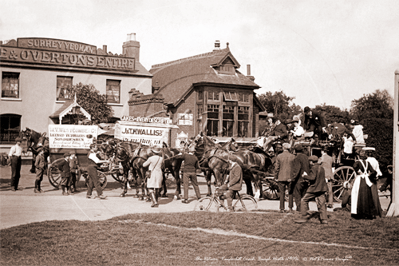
(305, 178)
(308, 178)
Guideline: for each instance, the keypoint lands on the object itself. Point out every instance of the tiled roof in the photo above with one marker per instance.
(176, 78)
(66, 104)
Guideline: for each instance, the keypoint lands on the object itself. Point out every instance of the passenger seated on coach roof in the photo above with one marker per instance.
(314, 122)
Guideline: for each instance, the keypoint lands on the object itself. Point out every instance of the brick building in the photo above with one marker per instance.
(203, 93)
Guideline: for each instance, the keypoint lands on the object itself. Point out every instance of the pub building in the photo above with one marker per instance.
(38, 74)
(203, 93)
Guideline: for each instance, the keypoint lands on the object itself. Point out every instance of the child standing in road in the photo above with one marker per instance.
(63, 166)
(40, 166)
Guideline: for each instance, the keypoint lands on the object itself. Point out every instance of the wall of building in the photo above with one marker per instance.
(187, 106)
(38, 94)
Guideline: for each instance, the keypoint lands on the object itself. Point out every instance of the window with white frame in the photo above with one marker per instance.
(113, 91)
(10, 126)
(243, 121)
(213, 120)
(10, 85)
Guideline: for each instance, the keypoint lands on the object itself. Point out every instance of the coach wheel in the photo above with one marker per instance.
(54, 176)
(341, 175)
(270, 189)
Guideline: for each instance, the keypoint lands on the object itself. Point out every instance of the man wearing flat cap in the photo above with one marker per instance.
(15, 158)
(317, 190)
(284, 164)
(63, 166)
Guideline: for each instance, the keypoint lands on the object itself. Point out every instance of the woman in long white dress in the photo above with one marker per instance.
(365, 203)
(154, 182)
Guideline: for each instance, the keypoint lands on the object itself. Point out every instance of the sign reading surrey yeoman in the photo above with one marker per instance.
(62, 53)
(71, 136)
(147, 131)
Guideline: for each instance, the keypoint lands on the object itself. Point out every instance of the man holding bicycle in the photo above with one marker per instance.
(233, 183)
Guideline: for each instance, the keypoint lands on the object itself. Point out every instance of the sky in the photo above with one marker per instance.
(317, 51)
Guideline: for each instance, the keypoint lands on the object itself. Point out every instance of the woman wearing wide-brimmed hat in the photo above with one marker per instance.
(15, 159)
(154, 181)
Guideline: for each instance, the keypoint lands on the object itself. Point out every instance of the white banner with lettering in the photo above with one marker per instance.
(71, 136)
(146, 135)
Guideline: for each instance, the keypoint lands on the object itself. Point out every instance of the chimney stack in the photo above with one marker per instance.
(105, 49)
(131, 48)
(217, 45)
(249, 73)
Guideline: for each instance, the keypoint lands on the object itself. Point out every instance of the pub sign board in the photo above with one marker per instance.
(63, 53)
(71, 136)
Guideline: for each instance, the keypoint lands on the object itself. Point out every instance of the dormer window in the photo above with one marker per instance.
(227, 69)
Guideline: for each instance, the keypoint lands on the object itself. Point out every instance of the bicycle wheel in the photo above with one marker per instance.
(208, 204)
(245, 204)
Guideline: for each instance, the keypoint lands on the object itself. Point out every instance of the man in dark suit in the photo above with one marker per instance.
(299, 185)
(284, 164)
(233, 183)
(314, 122)
(317, 190)
(280, 132)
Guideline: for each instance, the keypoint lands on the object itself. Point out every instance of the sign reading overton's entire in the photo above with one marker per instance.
(71, 136)
(62, 53)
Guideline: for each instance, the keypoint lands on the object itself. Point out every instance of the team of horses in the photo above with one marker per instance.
(213, 157)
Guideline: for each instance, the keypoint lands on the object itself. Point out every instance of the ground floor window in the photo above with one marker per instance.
(64, 88)
(231, 121)
(113, 91)
(213, 120)
(10, 85)
(10, 127)
(243, 121)
(228, 121)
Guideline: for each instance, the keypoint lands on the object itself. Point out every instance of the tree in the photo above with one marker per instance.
(279, 104)
(333, 114)
(378, 105)
(93, 102)
(375, 112)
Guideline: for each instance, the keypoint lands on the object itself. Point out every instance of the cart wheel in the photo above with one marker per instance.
(342, 174)
(54, 176)
(270, 189)
(103, 179)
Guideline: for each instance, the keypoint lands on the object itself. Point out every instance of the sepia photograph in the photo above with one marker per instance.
(231, 132)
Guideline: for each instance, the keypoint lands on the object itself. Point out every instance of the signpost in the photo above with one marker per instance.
(394, 207)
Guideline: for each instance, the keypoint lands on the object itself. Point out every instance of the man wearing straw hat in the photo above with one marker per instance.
(15, 158)
(154, 182)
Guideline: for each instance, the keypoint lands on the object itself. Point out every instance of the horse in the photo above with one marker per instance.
(34, 141)
(217, 158)
(173, 166)
(213, 158)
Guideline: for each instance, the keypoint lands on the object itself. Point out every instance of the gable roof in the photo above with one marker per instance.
(66, 108)
(176, 79)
